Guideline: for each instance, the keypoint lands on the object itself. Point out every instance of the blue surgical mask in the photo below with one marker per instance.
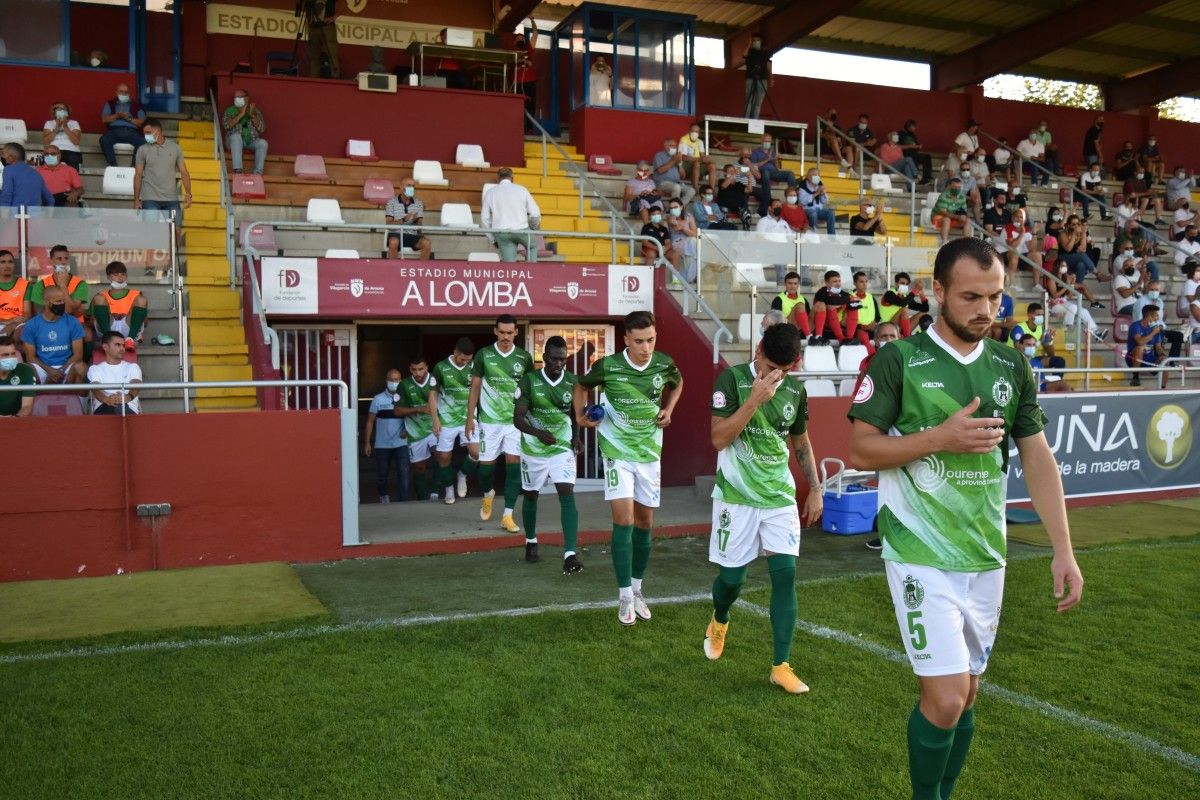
(9, 364)
(61, 114)
(1039, 320)
(240, 102)
(815, 180)
(392, 386)
(409, 191)
(151, 138)
(50, 161)
(792, 199)
(656, 218)
(1029, 351)
(122, 98)
(675, 212)
(1152, 294)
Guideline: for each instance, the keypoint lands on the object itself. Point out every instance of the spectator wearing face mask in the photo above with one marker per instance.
(1152, 160)
(1126, 163)
(385, 439)
(64, 133)
(815, 200)
(156, 163)
(1054, 221)
(1047, 381)
(683, 239)
(656, 229)
(708, 214)
(642, 195)
(902, 302)
(61, 179)
(982, 173)
(54, 342)
(1033, 152)
(835, 313)
(22, 185)
(98, 59)
(950, 210)
(1001, 161)
(1034, 325)
(244, 126)
(971, 190)
(14, 373)
(734, 192)
(1018, 241)
(1138, 190)
(765, 159)
(1154, 296)
(758, 76)
(696, 159)
(1182, 218)
(1143, 247)
(867, 223)
(123, 121)
(862, 135)
(1063, 303)
(1093, 142)
(667, 177)
(1073, 250)
(120, 309)
(405, 208)
(793, 213)
(773, 221)
(996, 217)
(1187, 250)
(1179, 188)
(758, 189)
(1129, 279)
(1144, 347)
(892, 154)
(1047, 139)
(910, 144)
(1089, 188)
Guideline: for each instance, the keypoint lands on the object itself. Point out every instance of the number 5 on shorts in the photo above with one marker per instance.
(614, 480)
(917, 630)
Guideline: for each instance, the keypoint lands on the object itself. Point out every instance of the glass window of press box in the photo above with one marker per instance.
(627, 59)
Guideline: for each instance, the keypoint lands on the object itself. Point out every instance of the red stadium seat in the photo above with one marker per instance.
(58, 405)
(311, 168)
(262, 237)
(248, 186)
(1121, 328)
(602, 165)
(378, 191)
(361, 150)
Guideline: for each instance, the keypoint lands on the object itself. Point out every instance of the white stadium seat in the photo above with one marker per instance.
(457, 215)
(820, 387)
(13, 130)
(335, 253)
(470, 155)
(748, 329)
(846, 387)
(428, 173)
(883, 183)
(754, 274)
(324, 211)
(483, 256)
(819, 358)
(118, 181)
(850, 357)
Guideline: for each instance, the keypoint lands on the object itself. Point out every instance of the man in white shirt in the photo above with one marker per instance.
(1034, 152)
(510, 207)
(969, 139)
(114, 369)
(773, 222)
(1187, 249)
(1091, 188)
(1179, 188)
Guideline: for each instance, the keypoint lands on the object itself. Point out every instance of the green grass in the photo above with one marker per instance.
(572, 705)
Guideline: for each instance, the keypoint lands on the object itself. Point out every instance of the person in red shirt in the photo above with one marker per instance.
(793, 213)
(61, 179)
(527, 75)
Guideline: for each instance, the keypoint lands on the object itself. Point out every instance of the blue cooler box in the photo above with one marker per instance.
(849, 508)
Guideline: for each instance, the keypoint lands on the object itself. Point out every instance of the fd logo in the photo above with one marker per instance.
(356, 6)
(1002, 391)
(356, 287)
(631, 283)
(288, 279)
(573, 290)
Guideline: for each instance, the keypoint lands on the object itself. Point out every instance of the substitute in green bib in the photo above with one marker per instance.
(759, 417)
(495, 372)
(936, 415)
(640, 389)
(549, 446)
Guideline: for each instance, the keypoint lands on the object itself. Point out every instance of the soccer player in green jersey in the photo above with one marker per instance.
(549, 446)
(418, 425)
(759, 413)
(495, 371)
(641, 387)
(936, 414)
(448, 417)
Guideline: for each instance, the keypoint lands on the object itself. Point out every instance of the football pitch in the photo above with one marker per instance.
(538, 692)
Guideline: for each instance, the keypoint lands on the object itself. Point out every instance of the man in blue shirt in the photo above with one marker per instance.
(1144, 347)
(1002, 327)
(54, 341)
(23, 186)
(764, 158)
(124, 120)
(385, 438)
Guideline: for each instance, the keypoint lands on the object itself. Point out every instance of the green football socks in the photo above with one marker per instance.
(622, 555)
(783, 603)
(103, 317)
(529, 517)
(419, 485)
(963, 733)
(641, 551)
(725, 591)
(512, 484)
(487, 477)
(570, 522)
(469, 466)
(444, 477)
(928, 751)
(137, 318)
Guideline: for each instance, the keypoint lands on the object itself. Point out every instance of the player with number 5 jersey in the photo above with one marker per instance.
(936, 415)
(640, 389)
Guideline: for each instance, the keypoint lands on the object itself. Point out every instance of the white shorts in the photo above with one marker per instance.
(536, 471)
(446, 439)
(41, 373)
(741, 533)
(947, 620)
(640, 480)
(497, 438)
(419, 449)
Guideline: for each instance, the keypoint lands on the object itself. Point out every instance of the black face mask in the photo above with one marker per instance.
(1129, 272)
(833, 117)
(775, 212)
(58, 309)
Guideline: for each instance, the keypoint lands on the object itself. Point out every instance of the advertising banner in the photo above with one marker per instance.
(373, 27)
(379, 288)
(1109, 444)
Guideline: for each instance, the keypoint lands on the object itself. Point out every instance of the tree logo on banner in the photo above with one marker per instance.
(1169, 437)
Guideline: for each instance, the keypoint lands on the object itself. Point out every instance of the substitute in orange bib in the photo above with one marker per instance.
(74, 288)
(15, 308)
(119, 308)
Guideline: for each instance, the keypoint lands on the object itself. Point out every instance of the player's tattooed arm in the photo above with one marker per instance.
(815, 502)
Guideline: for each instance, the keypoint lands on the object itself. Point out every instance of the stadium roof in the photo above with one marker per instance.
(1141, 51)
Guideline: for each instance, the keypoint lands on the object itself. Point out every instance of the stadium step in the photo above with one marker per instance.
(213, 333)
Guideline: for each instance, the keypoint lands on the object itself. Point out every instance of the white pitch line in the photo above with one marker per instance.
(1057, 713)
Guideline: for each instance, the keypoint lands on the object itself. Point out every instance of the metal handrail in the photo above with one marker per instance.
(911, 182)
(1102, 204)
(73, 388)
(581, 174)
(774, 123)
(226, 199)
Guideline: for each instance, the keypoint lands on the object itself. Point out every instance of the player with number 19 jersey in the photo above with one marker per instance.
(632, 400)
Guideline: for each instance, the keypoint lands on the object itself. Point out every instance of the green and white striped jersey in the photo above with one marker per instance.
(550, 409)
(413, 395)
(499, 373)
(946, 510)
(453, 388)
(632, 399)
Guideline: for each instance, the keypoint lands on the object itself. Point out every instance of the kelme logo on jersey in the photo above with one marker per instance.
(1002, 391)
(914, 592)
(1169, 437)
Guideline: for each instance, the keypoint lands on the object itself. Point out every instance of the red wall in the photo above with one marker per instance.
(414, 123)
(29, 91)
(607, 132)
(243, 487)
